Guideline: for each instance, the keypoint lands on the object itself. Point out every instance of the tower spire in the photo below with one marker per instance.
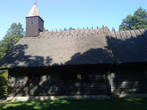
(34, 22)
(35, 2)
(34, 11)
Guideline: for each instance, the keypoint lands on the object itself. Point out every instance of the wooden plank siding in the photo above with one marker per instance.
(68, 82)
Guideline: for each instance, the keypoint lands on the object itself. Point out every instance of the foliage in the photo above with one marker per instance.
(137, 21)
(114, 104)
(71, 28)
(14, 33)
(3, 83)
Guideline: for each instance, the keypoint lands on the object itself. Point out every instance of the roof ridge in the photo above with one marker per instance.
(104, 29)
(82, 33)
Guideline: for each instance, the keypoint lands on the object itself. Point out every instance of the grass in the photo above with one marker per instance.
(115, 104)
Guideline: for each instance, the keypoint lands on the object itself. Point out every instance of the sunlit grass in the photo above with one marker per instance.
(113, 104)
(32, 105)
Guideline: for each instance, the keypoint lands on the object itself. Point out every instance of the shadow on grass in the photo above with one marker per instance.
(115, 104)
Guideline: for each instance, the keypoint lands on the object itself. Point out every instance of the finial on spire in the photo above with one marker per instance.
(35, 2)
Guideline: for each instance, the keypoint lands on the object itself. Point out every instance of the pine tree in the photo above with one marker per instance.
(13, 35)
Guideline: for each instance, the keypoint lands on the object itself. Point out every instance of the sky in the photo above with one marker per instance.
(60, 14)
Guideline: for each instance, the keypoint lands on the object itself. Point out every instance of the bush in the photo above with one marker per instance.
(3, 83)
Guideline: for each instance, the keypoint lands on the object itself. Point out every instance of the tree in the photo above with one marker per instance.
(71, 28)
(137, 21)
(14, 33)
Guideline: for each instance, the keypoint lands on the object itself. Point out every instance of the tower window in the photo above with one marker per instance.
(32, 22)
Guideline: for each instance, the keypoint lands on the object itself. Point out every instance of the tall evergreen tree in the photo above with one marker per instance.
(137, 21)
(13, 35)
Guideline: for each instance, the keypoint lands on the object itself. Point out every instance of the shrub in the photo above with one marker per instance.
(3, 83)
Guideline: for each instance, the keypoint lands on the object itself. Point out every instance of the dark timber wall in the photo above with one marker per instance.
(34, 25)
(117, 81)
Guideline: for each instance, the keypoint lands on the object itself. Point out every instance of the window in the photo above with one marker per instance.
(32, 22)
(79, 77)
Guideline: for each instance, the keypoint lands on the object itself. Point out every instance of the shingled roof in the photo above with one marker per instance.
(76, 47)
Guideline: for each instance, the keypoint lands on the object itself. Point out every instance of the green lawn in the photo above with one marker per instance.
(115, 104)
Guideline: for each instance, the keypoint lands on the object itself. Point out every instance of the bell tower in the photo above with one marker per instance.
(34, 22)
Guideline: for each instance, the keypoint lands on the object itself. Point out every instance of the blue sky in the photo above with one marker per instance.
(60, 14)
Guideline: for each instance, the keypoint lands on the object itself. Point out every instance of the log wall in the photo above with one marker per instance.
(109, 83)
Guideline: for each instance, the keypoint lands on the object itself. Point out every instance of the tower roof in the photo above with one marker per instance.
(34, 11)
